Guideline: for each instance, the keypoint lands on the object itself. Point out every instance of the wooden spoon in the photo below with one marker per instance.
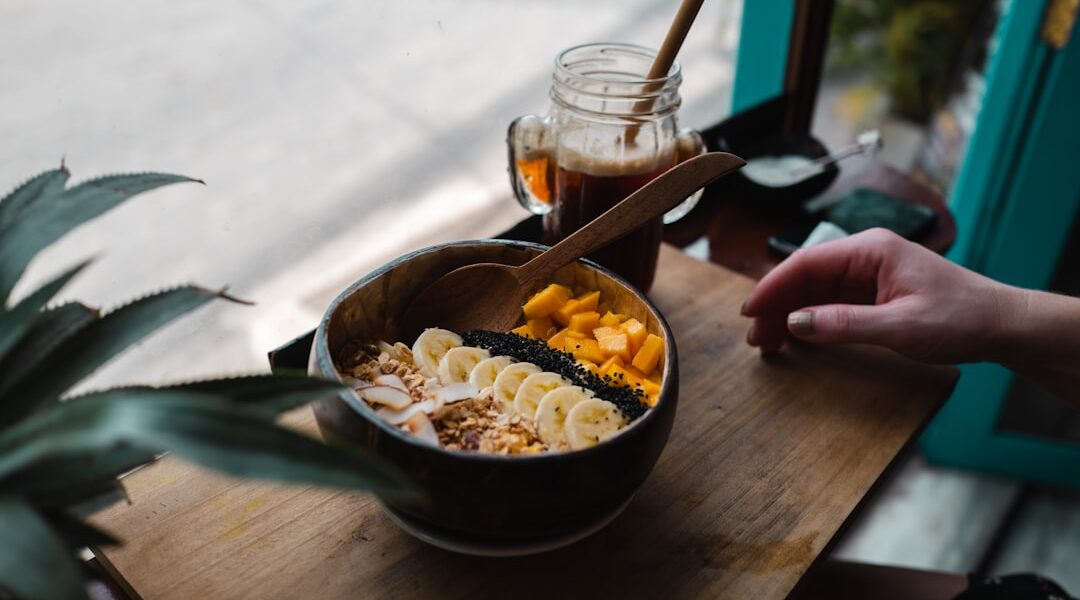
(489, 295)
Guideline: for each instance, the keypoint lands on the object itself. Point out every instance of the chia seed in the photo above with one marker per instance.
(630, 402)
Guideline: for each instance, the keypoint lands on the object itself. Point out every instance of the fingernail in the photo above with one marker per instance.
(742, 309)
(801, 322)
(750, 335)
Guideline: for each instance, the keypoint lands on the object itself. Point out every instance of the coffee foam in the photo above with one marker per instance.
(634, 163)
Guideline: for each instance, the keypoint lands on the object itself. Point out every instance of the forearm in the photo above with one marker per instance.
(1041, 340)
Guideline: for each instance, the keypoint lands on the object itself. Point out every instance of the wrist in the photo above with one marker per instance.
(1012, 332)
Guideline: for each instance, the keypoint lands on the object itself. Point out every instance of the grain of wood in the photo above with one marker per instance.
(766, 460)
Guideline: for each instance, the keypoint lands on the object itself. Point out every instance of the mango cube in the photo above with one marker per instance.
(637, 374)
(602, 332)
(591, 366)
(546, 301)
(649, 353)
(589, 301)
(523, 331)
(619, 376)
(584, 322)
(613, 361)
(652, 392)
(541, 328)
(558, 340)
(569, 308)
(584, 349)
(637, 333)
(615, 345)
(610, 319)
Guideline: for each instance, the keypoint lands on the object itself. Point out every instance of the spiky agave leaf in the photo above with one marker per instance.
(74, 450)
(70, 480)
(95, 344)
(231, 438)
(50, 328)
(52, 215)
(34, 562)
(17, 321)
(75, 532)
(46, 184)
(274, 393)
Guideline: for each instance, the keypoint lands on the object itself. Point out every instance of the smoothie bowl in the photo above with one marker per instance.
(524, 440)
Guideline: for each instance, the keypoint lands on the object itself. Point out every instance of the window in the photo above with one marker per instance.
(332, 136)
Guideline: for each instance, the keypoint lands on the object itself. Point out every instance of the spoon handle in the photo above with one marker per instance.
(651, 201)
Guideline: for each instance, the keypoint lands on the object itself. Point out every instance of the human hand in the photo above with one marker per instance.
(877, 288)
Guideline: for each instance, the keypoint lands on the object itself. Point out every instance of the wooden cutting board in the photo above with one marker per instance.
(767, 459)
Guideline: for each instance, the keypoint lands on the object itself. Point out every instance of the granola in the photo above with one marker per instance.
(474, 424)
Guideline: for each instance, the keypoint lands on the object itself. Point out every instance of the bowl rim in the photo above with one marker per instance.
(325, 362)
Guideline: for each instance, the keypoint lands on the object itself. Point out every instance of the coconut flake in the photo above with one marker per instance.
(386, 395)
(391, 381)
(397, 417)
(420, 426)
(455, 392)
(354, 383)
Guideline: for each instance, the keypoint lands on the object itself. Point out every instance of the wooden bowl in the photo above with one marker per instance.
(484, 500)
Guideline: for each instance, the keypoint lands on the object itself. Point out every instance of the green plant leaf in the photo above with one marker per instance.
(34, 564)
(44, 185)
(71, 480)
(76, 532)
(17, 321)
(234, 439)
(97, 343)
(274, 393)
(50, 328)
(68, 480)
(47, 220)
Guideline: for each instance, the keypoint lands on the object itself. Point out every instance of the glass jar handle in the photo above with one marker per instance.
(688, 144)
(530, 145)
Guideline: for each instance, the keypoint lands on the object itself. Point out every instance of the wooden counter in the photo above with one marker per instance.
(766, 461)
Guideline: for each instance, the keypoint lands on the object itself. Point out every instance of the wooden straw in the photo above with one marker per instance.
(676, 34)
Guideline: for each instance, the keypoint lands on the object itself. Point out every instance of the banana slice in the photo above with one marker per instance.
(484, 373)
(509, 380)
(457, 363)
(430, 347)
(591, 422)
(533, 389)
(552, 411)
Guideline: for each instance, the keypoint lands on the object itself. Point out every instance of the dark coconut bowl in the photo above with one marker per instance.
(483, 500)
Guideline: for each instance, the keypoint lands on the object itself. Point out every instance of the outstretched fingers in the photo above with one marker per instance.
(851, 263)
(841, 272)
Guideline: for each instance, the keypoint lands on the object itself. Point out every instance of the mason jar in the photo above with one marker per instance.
(609, 131)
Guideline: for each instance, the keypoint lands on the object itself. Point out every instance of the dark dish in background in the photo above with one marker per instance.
(755, 134)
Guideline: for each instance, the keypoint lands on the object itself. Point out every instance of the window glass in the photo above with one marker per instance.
(914, 70)
(332, 136)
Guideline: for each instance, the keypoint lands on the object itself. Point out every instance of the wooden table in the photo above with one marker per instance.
(766, 461)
